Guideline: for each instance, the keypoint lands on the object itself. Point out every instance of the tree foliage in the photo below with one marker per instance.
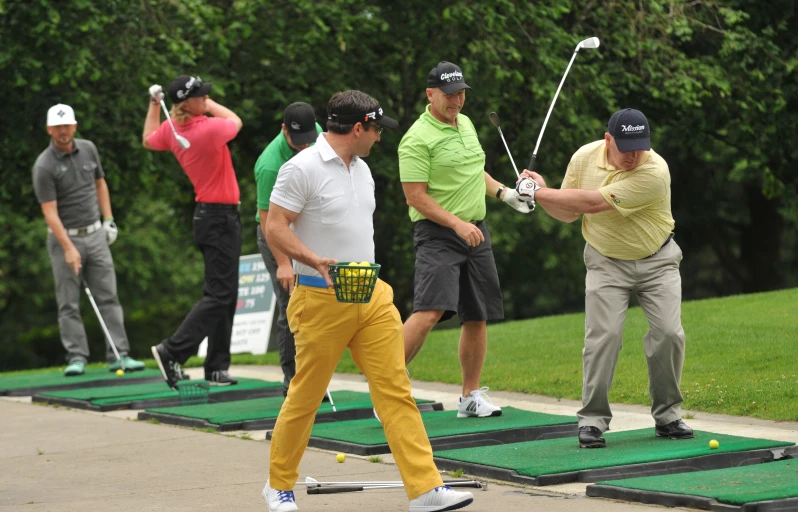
(717, 80)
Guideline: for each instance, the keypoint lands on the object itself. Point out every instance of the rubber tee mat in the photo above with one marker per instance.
(628, 454)
(262, 413)
(156, 394)
(27, 384)
(767, 487)
(446, 431)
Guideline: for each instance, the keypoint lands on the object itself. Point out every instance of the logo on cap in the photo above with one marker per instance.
(61, 113)
(295, 126)
(631, 128)
(455, 75)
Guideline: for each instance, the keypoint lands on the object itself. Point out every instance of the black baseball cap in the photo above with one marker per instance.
(446, 77)
(630, 129)
(376, 115)
(300, 121)
(185, 87)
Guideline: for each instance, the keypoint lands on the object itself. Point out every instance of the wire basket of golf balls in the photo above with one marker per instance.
(354, 282)
(193, 392)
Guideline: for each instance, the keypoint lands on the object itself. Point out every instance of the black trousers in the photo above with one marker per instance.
(217, 233)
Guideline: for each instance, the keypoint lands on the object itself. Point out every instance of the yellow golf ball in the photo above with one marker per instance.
(120, 372)
(340, 457)
(713, 444)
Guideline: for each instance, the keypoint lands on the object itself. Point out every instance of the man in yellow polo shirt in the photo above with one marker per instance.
(622, 190)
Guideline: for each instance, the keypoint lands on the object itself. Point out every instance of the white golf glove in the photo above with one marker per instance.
(111, 232)
(156, 93)
(511, 198)
(526, 191)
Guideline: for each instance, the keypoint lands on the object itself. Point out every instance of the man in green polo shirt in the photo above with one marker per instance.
(442, 168)
(299, 131)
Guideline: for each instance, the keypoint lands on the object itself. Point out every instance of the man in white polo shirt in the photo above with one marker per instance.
(622, 190)
(326, 194)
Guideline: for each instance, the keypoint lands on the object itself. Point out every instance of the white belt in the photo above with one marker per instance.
(87, 230)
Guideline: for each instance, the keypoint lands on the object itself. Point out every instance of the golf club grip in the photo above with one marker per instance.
(531, 165)
(333, 490)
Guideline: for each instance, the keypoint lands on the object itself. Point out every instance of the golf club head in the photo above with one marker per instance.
(494, 118)
(590, 42)
(311, 481)
(184, 143)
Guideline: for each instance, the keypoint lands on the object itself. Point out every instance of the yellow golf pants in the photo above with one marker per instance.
(323, 328)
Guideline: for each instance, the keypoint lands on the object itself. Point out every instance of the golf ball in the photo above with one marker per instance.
(340, 457)
(713, 444)
(120, 372)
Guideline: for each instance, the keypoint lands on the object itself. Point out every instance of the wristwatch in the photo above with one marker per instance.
(499, 192)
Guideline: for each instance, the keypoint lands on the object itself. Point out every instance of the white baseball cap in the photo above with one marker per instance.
(60, 114)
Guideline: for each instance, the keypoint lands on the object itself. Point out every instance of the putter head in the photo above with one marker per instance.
(590, 42)
(494, 118)
(184, 143)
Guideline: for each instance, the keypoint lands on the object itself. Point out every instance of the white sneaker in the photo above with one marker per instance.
(279, 501)
(478, 404)
(441, 498)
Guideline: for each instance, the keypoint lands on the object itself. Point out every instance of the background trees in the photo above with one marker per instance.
(717, 80)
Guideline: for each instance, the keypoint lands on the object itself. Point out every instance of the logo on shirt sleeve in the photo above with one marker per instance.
(615, 199)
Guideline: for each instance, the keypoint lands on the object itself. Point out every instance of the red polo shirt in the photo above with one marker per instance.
(207, 163)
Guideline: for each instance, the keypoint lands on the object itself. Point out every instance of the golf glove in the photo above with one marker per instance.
(511, 198)
(111, 232)
(156, 93)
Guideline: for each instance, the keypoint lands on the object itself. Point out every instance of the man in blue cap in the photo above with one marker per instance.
(622, 190)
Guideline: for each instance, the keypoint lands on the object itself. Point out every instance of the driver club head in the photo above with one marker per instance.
(494, 118)
(590, 42)
(184, 143)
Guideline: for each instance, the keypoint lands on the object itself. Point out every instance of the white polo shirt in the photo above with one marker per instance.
(335, 204)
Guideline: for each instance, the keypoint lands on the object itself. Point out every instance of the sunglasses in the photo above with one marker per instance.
(377, 128)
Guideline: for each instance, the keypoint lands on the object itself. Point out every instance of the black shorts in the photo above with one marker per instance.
(454, 277)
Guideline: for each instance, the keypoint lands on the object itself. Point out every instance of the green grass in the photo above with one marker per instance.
(740, 357)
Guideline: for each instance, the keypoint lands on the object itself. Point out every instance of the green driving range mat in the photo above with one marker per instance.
(762, 487)
(156, 394)
(262, 413)
(27, 384)
(447, 431)
(628, 454)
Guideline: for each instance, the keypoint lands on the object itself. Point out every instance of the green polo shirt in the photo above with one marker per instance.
(450, 160)
(268, 165)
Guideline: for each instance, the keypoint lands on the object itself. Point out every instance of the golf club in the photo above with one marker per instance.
(316, 487)
(102, 323)
(590, 42)
(494, 118)
(329, 397)
(184, 143)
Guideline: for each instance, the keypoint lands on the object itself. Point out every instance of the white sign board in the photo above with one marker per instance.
(252, 323)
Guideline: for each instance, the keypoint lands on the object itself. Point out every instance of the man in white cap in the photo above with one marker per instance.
(70, 185)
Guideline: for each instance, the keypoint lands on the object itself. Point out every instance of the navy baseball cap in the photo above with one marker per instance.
(630, 129)
(446, 77)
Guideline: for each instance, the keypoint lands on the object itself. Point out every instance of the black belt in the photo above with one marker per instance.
(666, 242)
(218, 206)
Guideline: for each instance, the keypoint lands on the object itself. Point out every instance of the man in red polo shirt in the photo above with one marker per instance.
(217, 225)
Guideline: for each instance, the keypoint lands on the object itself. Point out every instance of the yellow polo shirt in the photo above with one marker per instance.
(641, 218)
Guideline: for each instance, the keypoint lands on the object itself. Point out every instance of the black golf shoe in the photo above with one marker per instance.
(221, 378)
(677, 429)
(170, 368)
(591, 437)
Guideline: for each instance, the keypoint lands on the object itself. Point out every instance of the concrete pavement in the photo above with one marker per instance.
(61, 459)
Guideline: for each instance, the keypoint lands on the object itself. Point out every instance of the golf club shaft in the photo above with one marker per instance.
(551, 107)
(450, 483)
(358, 488)
(508, 152)
(102, 323)
(169, 118)
(329, 397)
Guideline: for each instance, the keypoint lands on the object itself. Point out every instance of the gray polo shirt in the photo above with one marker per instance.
(69, 179)
(335, 204)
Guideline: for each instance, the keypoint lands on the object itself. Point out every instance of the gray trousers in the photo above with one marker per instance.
(658, 286)
(98, 269)
(285, 338)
